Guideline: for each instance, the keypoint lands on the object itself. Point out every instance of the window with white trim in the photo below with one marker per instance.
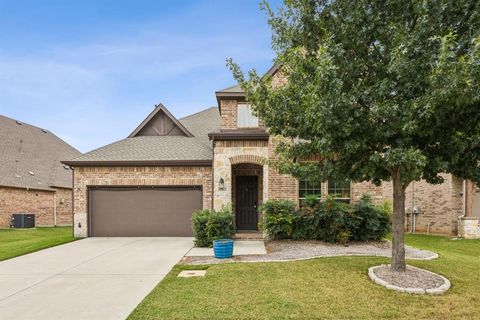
(339, 190)
(308, 188)
(245, 117)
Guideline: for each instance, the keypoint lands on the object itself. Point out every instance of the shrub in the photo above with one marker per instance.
(220, 225)
(199, 227)
(374, 220)
(335, 219)
(311, 201)
(278, 218)
(209, 225)
(330, 221)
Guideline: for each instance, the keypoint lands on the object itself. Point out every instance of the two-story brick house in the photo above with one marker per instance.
(150, 183)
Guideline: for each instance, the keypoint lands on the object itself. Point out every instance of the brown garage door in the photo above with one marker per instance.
(143, 212)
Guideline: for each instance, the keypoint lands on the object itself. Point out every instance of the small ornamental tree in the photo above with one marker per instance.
(382, 90)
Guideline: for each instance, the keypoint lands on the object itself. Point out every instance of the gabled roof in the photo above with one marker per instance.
(149, 123)
(195, 149)
(236, 91)
(31, 157)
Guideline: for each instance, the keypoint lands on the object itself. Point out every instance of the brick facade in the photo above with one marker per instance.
(280, 186)
(228, 116)
(133, 176)
(40, 202)
(440, 205)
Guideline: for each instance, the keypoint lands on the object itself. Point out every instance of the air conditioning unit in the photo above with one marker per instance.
(23, 220)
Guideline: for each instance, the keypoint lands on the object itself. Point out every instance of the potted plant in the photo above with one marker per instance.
(223, 248)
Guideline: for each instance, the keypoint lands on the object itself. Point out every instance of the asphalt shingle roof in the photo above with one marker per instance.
(233, 89)
(30, 157)
(162, 148)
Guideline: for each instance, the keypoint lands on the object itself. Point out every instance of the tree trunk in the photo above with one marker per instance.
(398, 220)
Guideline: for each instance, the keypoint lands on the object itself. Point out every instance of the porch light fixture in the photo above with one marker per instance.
(221, 184)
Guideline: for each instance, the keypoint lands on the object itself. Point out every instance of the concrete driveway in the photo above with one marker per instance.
(94, 278)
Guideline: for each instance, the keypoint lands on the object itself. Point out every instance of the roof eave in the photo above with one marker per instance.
(149, 163)
(49, 189)
(254, 135)
(228, 96)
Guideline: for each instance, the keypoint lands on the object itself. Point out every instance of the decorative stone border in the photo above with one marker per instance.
(439, 290)
(285, 255)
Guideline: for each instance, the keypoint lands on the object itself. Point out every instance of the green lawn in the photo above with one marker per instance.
(16, 242)
(333, 288)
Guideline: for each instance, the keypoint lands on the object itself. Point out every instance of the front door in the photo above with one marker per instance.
(246, 200)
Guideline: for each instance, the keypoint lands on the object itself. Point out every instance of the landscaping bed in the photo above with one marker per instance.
(327, 288)
(412, 280)
(283, 250)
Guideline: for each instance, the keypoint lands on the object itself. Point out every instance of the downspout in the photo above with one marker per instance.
(464, 207)
(413, 228)
(73, 201)
(213, 173)
(55, 208)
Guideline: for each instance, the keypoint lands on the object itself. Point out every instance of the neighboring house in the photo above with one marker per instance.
(150, 183)
(32, 178)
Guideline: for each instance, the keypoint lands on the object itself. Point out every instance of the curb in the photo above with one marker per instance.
(438, 290)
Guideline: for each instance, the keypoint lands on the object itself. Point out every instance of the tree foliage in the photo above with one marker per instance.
(383, 90)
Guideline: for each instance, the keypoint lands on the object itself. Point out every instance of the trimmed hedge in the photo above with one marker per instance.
(209, 225)
(330, 221)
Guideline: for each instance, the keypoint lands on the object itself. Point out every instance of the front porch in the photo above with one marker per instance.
(246, 197)
(241, 181)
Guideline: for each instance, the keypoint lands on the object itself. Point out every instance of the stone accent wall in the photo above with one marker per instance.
(133, 176)
(469, 228)
(40, 202)
(227, 153)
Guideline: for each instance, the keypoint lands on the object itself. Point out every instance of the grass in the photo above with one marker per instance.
(17, 242)
(331, 288)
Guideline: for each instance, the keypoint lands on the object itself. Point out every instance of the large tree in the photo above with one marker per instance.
(384, 90)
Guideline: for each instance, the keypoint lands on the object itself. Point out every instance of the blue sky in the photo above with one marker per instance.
(91, 71)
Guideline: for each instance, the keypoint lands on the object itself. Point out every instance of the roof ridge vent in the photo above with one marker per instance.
(19, 122)
(45, 130)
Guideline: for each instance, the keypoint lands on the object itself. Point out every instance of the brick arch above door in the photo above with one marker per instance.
(248, 158)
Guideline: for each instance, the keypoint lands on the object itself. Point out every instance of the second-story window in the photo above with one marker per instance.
(245, 117)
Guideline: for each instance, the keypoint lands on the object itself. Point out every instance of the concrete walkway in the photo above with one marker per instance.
(240, 248)
(94, 278)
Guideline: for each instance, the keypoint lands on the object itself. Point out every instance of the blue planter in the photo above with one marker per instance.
(223, 248)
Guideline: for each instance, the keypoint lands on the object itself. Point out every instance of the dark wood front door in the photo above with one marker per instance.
(246, 201)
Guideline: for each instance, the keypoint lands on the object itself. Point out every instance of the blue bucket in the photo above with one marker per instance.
(223, 248)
